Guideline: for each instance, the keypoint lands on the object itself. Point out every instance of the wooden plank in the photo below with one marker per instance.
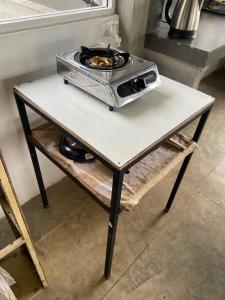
(11, 247)
(96, 178)
(19, 217)
(141, 124)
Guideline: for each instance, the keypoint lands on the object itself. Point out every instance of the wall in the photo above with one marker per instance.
(154, 15)
(24, 56)
(133, 24)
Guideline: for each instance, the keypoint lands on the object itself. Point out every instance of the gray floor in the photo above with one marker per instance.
(180, 255)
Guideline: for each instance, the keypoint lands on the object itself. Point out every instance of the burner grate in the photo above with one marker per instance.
(102, 58)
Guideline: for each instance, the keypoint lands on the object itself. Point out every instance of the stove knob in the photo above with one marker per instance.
(138, 84)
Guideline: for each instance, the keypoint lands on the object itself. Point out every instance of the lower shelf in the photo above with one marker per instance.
(97, 178)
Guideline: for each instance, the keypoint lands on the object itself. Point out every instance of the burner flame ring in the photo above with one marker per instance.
(100, 61)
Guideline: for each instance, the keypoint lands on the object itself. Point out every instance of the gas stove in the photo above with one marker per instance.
(111, 75)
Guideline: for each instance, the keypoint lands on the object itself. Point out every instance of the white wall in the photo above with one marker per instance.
(133, 24)
(24, 56)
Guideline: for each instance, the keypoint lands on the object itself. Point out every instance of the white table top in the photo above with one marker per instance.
(119, 136)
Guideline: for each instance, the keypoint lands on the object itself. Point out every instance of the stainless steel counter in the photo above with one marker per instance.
(207, 48)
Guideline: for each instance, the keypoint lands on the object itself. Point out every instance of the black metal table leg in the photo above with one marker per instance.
(184, 166)
(113, 219)
(33, 154)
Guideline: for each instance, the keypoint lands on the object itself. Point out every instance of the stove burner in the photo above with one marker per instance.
(100, 61)
(109, 74)
(102, 58)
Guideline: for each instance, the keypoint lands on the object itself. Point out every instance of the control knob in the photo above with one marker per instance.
(138, 84)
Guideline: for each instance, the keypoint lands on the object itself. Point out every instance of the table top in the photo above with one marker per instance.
(208, 47)
(119, 137)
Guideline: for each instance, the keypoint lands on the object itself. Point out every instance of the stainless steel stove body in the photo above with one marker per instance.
(116, 87)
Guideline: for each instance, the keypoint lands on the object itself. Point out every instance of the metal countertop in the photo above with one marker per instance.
(207, 48)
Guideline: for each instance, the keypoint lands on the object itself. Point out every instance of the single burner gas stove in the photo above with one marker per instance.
(111, 75)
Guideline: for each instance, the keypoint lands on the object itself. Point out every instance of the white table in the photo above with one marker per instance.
(118, 139)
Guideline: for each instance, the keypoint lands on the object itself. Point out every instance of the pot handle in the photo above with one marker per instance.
(167, 11)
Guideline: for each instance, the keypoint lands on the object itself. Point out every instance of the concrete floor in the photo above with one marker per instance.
(180, 255)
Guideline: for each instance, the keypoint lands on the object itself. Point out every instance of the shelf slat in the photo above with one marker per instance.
(11, 247)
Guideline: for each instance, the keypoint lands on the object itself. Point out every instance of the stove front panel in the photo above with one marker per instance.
(137, 86)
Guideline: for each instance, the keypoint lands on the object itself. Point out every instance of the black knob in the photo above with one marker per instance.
(138, 84)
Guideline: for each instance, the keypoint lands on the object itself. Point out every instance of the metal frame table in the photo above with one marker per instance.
(44, 96)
